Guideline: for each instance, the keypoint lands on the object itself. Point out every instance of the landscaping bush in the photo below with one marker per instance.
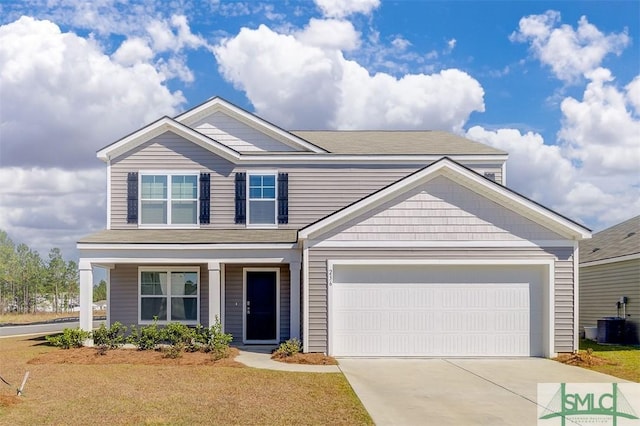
(176, 333)
(70, 338)
(109, 338)
(288, 348)
(213, 339)
(146, 337)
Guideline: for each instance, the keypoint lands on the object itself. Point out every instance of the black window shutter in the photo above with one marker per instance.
(283, 198)
(241, 197)
(132, 197)
(205, 197)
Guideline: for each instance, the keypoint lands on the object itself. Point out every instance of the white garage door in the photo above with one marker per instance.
(429, 311)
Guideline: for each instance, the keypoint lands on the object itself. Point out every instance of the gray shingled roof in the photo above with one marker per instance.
(620, 240)
(191, 236)
(431, 142)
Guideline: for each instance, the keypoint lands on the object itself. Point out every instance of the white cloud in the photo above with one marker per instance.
(133, 51)
(68, 98)
(340, 93)
(570, 53)
(173, 36)
(451, 44)
(535, 169)
(344, 8)
(329, 34)
(51, 207)
(601, 131)
(400, 43)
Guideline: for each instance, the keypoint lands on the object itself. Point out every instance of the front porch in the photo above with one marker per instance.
(254, 293)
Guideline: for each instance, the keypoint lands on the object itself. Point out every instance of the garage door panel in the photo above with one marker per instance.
(430, 319)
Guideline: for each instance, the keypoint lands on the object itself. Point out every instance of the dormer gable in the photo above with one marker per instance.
(242, 130)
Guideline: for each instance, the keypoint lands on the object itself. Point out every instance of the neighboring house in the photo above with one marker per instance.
(361, 243)
(610, 270)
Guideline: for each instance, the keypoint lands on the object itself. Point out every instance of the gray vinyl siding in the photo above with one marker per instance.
(124, 297)
(236, 134)
(318, 282)
(234, 299)
(314, 191)
(601, 286)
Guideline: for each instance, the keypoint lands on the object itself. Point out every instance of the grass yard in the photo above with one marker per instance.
(618, 361)
(15, 318)
(166, 393)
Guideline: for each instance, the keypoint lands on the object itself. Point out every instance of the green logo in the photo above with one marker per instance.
(588, 404)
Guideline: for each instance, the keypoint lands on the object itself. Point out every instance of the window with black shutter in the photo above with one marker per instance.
(283, 198)
(241, 197)
(132, 197)
(205, 197)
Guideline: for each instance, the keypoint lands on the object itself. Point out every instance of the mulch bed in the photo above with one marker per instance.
(309, 359)
(582, 359)
(92, 356)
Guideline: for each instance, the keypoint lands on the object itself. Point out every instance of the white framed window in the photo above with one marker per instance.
(261, 199)
(170, 294)
(169, 198)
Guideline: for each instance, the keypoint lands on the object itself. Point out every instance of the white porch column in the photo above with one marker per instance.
(86, 295)
(294, 302)
(214, 292)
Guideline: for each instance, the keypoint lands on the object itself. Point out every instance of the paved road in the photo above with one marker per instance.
(457, 391)
(52, 327)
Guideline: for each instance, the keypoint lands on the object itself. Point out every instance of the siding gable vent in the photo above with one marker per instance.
(490, 175)
(205, 197)
(241, 198)
(132, 197)
(283, 198)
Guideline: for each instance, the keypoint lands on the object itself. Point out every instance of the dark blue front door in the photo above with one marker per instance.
(261, 309)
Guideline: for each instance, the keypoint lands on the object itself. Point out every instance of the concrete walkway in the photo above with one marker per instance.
(457, 391)
(258, 359)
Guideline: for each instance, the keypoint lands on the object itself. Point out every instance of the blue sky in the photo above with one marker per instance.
(556, 84)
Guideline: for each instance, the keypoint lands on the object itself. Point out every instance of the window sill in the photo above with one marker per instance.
(262, 226)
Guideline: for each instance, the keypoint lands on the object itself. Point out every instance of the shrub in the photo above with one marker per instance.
(213, 339)
(146, 337)
(109, 338)
(176, 333)
(288, 348)
(174, 351)
(70, 338)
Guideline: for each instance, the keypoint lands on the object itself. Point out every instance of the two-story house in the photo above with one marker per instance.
(361, 243)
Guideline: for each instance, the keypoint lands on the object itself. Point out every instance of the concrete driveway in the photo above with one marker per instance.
(457, 391)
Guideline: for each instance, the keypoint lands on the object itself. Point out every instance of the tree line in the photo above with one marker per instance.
(29, 283)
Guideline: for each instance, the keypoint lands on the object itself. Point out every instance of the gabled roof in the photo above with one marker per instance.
(463, 176)
(218, 104)
(165, 124)
(418, 142)
(621, 240)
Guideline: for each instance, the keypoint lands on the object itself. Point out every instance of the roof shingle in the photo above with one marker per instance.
(620, 240)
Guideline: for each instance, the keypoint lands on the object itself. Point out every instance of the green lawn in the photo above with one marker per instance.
(166, 394)
(624, 361)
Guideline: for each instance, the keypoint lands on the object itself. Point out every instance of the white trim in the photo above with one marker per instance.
(504, 174)
(305, 298)
(576, 297)
(611, 260)
(223, 298)
(159, 127)
(214, 291)
(108, 278)
(404, 159)
(187, 261)
(439, 243)
(169, 174)
(108, 194)
(269, 172)
(244, 304)
(548, 332)
(168, 296)
(220, 105)
(86, 296)
(294, 300)
(461, 176)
